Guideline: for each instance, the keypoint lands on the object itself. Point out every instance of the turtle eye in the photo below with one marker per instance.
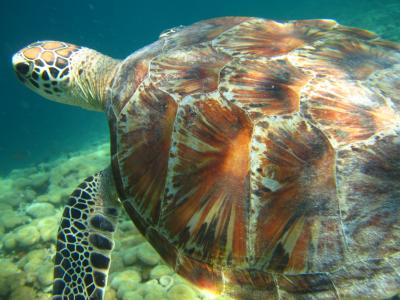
(22, 68)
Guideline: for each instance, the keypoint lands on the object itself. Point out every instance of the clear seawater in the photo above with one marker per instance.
(34, 130)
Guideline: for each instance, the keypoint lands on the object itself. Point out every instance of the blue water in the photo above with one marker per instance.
(33, 129)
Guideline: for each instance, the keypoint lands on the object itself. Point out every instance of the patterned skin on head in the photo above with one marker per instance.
(66, 73)
(45, 67)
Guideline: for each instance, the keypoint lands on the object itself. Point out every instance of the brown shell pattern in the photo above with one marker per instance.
(261, 159)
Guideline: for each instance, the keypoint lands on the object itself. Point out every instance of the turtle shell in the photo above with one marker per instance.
(261, 159)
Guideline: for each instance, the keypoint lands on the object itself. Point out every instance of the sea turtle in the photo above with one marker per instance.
(259, 158)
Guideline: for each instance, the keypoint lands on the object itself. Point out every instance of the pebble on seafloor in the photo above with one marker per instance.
(147, 255)
(39, 210)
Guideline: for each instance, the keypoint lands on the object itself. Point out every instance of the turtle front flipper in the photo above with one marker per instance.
(85, 240)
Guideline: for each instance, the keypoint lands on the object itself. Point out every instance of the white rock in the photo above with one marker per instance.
(128, 278)
(23, 293)
(153, 290)
(129, 256)
(11, 219)
(48, 228)
(160, 270)
(39, 179)
(155, 295)
(10, 277)
(45, 274)
(181, 291)
(40, 210)
(166, 281)
(147, 255)
(27, 235)
(9, 241)
(132, 295)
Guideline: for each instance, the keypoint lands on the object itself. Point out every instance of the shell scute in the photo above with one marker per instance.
(207, 216)
(264, 38)
(364, 274)
(342, 57)
(249, 283)
(356, 33)
(316, 25)
(368, 174)
(316, 284)
(199, 32)
(203, 275)
(188, 71)
(53, 45)
(134, 70)
(263, 87)
(386, 82)
(347, 111)
(296, 191)
(147, 120)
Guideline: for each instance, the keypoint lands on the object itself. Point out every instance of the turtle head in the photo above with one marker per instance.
(65, 73)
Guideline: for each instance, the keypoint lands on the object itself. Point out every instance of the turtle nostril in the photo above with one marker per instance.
(22, 68)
